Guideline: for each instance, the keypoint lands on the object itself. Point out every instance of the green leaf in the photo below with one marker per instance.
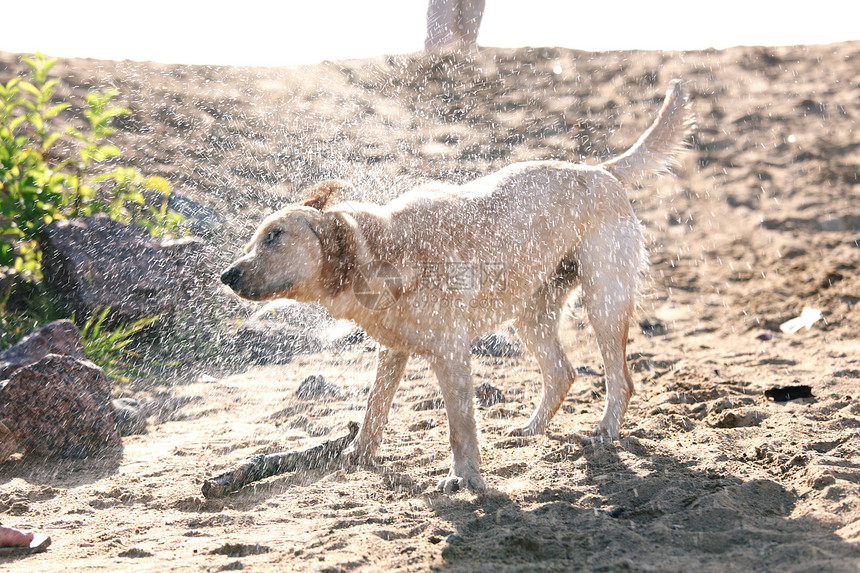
(105, 151)
(49, 64)
(36, 120)
(53, 111)
(157, 183)
(75, 133)
(16, 122)
(135, 197)
(49, 141)
(49, 85)
(30, 88)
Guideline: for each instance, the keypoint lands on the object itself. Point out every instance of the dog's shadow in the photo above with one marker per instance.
(657, 514)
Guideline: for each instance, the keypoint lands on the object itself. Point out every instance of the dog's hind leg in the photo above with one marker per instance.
(611, 260)
(389, 371)
(538, 328)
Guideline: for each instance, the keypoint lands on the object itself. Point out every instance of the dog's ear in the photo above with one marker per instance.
(338, 242)
(323, 193)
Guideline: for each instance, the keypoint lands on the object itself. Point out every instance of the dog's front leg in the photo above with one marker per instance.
(455, 379)
(389, 371)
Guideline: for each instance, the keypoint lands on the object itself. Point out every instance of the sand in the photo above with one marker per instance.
(762, 220)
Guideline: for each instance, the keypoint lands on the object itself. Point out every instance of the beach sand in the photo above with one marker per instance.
(761, 220)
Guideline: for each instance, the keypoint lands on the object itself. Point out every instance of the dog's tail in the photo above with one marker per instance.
(656, 150)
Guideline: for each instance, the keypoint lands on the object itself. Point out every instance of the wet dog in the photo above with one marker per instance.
(430, 270)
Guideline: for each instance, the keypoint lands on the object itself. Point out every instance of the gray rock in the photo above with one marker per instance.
(315, 387)
(200, 219)
(129, 417)
(488, 395)
(95, 262)
(264, 344)
(291, 313)
(497, 344)
(285, 328)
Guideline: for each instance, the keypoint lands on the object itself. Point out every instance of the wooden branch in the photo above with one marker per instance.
(263, 466)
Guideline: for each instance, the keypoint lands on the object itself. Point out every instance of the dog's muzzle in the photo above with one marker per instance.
(231, 276)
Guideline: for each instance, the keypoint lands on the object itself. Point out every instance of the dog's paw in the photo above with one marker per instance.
(469, 480)
(600, 437)
(523, 431)
(356, 455)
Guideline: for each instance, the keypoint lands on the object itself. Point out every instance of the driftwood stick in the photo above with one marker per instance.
(263, 466)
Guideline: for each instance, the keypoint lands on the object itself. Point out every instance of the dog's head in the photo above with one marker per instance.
(302, 252)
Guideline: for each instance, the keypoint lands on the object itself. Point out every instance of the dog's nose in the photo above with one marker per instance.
(231, 276)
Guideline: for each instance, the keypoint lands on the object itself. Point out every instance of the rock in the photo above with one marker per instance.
(292, 313)
(165, 406)
(8, 445)
(651, 328)
(264, 344)
(428, 404)
(96, 262)
(59, 337)
(59, 405)
(311, 318)
(201, 219)
(342, 333)
(497, 344)
(284, 328)
(786, 393)
(488, 395)
(315, 387)
(129, 417)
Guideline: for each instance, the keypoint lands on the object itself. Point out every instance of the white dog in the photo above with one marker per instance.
(430, 270)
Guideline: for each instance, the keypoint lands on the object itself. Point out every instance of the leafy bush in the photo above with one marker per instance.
(36, 189)
(38, 186)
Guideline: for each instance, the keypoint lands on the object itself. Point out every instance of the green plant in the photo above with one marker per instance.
(109, 348)
(31, 193)
(42, 181)
(36, 189)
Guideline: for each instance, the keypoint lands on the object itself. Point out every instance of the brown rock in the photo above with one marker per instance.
(59, 405)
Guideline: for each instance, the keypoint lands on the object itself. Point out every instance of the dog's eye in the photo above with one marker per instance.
(271, 237)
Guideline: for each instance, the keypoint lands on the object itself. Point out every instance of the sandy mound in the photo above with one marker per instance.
(762, 220)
